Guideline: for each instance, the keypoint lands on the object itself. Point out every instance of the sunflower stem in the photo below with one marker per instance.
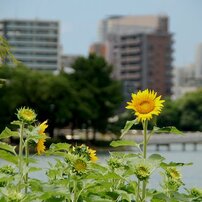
(145, 124)
(27, 164)
(20, 159)
(75, 191)
(138, 191)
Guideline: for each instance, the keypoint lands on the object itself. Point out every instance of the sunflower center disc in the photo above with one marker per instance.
(145, 107)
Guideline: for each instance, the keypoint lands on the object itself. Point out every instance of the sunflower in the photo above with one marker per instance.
(92, 154)
(145, 104)
(42, 127)
(80, 165)
(40, 144)
(196, 192)
(86, 152)
(173, 173)
(26, 115)
(143, 171)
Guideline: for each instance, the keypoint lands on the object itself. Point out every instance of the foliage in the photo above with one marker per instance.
(5, 52)
(192, 115)
(94, 93)
(171, 114)
(64, 100)
(184, 113)
(50, 95)
(75, 175)
(6, 55)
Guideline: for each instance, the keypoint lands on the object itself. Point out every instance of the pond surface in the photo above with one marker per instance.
(192, 175)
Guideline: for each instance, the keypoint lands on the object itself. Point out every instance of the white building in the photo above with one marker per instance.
(189, 77)
(33, 42)
(184, 80)
(198, 61)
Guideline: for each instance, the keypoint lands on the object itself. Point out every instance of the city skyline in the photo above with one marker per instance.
(79, 21)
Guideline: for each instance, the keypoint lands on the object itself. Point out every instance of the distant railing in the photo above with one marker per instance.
(193, 138)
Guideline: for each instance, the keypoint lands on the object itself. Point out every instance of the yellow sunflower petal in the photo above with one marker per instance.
(42, 127)
(93, 156)
(40, 146)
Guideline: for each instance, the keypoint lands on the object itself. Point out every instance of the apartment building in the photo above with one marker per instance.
(140, 49)
(36, 43)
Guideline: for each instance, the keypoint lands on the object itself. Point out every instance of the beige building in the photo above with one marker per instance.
(140, 49)
(99, 49)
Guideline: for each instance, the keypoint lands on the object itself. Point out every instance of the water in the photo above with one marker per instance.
(192, 176)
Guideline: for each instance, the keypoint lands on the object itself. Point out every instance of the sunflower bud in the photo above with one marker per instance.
(114, 163)
(173, 173)
(85, 152)
(26, 115)
(14, 196)
(173, 184)
(196, 193)
(8, 170)
(80, 165)
(143, 171)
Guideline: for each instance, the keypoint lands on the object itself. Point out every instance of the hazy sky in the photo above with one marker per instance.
(79, 20)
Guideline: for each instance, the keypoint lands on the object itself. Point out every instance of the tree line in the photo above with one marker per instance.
(185, 113)
(84, 99)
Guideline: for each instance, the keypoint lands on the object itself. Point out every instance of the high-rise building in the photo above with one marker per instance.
(198, 61)
(188, 77)
(184, 80)
(33, 42)
(140, 49)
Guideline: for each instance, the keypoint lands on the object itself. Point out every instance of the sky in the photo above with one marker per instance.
(79, 20)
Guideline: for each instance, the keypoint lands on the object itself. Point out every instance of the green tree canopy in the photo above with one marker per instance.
(50, 95)
(84, 99)
(191, 111)
(99, 96)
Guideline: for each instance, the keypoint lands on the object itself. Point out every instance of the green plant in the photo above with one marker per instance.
(76, 176)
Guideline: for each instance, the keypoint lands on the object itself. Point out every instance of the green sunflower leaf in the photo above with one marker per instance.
(168, 129)
(34, 169)
(6, 133)
(156, 157)
(59, 147)
(7, 156)
(18, 123)
(122, 143)
(7, 147)
(173, 164)
(128, 126)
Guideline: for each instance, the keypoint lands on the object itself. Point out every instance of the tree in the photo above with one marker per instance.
(191, 111)
(54, 100)
(5, 52)
(184, 113)
(170, 115)
(98, 95)
(50, 96)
